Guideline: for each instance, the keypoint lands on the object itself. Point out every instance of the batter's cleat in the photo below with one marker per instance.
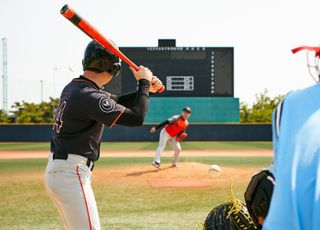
(156, 164)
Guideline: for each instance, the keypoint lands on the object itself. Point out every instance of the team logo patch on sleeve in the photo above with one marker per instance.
(106, 105)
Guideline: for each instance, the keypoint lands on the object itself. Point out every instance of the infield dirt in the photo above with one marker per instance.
(187, 176)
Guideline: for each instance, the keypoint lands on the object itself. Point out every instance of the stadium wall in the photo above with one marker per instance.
(196, 132)
(204, 109)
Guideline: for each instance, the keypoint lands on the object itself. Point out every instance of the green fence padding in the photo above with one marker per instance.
(204, 109)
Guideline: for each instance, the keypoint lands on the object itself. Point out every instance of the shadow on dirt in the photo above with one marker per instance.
(139, 173)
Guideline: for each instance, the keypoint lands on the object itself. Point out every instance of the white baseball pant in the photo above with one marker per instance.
(68, 183)
(163, 139)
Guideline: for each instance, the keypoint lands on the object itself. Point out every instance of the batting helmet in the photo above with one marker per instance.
(98, 59)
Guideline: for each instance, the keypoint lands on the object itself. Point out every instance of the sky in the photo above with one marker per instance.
(45, 49)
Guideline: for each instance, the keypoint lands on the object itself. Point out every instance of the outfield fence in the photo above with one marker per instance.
(196, 132)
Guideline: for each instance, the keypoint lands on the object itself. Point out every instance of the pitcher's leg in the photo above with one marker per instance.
(177, 149)
(162, 145)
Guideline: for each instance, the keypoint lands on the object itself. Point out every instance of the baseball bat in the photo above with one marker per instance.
(89, 30)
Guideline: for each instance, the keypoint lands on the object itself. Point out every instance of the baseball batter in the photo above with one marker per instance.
(295, 202)
(80, 118)
(173, 132)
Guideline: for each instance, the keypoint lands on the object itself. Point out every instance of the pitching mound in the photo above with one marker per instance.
(189, 175)
(178, 183)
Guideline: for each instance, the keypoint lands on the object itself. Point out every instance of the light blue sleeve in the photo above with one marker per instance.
(272, 167)
(276, 121)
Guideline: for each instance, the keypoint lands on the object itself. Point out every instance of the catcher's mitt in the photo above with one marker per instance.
(181, 136)
(258, 195)
(232, 215)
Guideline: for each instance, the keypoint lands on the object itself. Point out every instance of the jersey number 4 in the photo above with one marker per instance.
(58, 118)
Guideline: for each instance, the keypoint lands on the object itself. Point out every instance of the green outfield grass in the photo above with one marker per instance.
(25, 205)
(111, 146)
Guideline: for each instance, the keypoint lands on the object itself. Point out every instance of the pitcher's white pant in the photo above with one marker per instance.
(68, 183)
(163, 139)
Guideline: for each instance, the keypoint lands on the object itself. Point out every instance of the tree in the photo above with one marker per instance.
(3, 116)
(35, 113)
(261, 110)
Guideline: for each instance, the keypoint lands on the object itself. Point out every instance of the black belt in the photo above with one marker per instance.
(65, 157)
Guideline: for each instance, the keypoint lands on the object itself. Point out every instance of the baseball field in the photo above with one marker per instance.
(130, 192)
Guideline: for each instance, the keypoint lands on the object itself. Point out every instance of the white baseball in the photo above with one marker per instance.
(215, 169)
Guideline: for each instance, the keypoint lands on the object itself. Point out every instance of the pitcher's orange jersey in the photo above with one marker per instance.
(177, 127)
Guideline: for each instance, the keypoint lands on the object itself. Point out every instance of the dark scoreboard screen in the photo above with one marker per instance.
(185, 71)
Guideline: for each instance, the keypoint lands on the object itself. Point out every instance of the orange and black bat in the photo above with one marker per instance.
(89, 30)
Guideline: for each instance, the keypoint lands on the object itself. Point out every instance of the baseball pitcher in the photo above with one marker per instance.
(173, 132)
(83, 112)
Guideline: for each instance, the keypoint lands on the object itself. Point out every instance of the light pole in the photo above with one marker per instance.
(4, 75)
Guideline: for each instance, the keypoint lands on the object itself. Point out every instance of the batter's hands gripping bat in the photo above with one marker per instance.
(89, 30)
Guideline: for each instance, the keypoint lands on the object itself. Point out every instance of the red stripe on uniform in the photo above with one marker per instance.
(84, 196)
(115, 120)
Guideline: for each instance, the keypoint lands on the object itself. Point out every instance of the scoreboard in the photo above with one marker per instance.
(185, 71)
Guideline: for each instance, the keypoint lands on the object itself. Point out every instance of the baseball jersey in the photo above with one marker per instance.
(295, 202)
(83, 112)
(177, 125)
